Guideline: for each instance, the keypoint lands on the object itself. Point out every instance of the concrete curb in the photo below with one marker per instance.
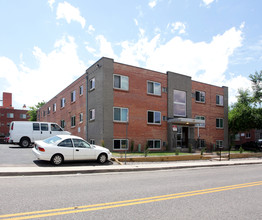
(31, 171)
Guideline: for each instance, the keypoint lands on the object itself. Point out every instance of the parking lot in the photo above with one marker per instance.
(14, 155)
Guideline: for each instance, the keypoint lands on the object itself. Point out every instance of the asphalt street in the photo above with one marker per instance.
(197, 193)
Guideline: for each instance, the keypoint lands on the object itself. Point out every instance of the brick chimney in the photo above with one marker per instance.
(7, 100)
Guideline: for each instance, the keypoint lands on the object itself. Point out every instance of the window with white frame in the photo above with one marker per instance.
(121, 82)
(153, 88)
(153, 117)
(92, 141)
(248, 135)
(10, 115)
(120, 114)
(23, 116)
(73, 96)
(73, 121)
(219, 144)
(63, 102)
(237, 137)
(200, 96)
(54, 107)
(91, 114)
(154, 144)
(219, 100)
(120, 144)
(81, 90)
(81, 117)
(62, 123)
(179, 103)
(201, 118)
(219, 123)
(91, 84)
(48, 110)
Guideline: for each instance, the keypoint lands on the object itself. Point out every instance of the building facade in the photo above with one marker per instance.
(9, 114)
(127, 106)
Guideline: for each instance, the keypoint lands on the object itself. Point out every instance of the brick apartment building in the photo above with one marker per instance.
(9, 114)
(114, 102)
(247, 136)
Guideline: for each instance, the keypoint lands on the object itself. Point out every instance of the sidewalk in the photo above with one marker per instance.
(129, 167)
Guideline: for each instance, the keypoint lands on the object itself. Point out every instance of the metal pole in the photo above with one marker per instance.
(126, 141)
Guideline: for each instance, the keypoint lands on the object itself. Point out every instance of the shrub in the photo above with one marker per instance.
(203, 149)
(177, 151)
(241, 150)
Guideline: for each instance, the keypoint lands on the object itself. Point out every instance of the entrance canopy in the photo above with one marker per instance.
(186, 121)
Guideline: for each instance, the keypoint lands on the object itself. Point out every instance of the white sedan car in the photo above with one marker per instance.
(60, 148)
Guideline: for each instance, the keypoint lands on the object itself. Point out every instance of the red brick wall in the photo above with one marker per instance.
(4, 121)
(210, 110)
(139, 102)
(7, 100)
(70, 109)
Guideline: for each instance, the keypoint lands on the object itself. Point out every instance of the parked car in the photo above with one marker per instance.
(60, 148)
(26, 132)
(252, 146)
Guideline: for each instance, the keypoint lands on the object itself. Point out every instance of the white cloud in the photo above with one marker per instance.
(55, 71)
(51, 3)
(70, 13)
(152, 3)
(207, 2)
(91, 29)
(178, 26)
(106, 49)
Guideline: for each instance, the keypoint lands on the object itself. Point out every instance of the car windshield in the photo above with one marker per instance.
(52, 140)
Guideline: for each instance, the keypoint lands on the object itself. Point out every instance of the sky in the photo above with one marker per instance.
(46, 44)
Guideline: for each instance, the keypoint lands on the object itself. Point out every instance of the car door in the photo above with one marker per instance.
(55, 129)
(45, 133)
(36, 134)
(83, 150)
(66, 148)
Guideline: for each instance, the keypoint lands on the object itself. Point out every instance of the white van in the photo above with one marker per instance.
(26, 132)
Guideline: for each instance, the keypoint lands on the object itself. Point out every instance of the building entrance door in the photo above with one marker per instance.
(182, 136)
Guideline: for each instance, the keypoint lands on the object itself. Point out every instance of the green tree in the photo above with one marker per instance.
(33, 111)
(246, 113)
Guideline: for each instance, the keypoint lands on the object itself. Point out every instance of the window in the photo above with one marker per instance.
(54, 107)
(237, 137)
(91, 114)
(92, 141)
(120, 144)
(23, 116)
(120, 114)
(81, 90)
(73, 121)
(48, 110)
(248, 135)
(10, 115)
(62, 123)
(154, 144)
(36, 127)
(66, 143)
(55, 127)
(219, 144)
(201, 118)
(219, 100)
(153, 117)
(44, 127)
(80, 143)
(179, 103)
(219, 123)
(200, 96)
(73, 96)
(63, 102)
(91, 84)
(121, 82)
(153, 88)
(81, 117)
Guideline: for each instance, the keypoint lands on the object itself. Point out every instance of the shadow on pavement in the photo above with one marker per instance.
(18, 147)
(42, 163)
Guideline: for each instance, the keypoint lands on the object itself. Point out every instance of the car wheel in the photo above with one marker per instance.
(102, 158)
(57, 159)
(25, 142)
